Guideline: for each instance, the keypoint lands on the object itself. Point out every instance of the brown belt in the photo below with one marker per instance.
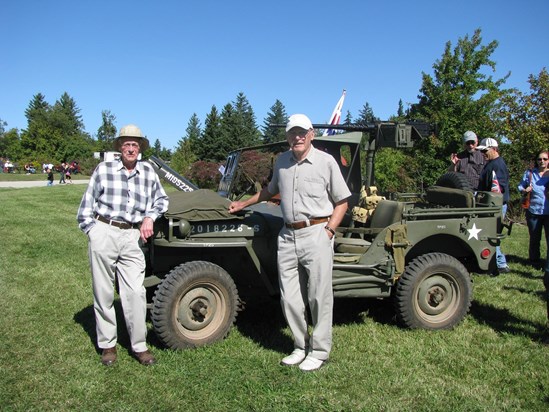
(115, 223)
(306, 223)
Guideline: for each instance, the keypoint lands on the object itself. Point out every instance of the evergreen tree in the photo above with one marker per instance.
(276, 115)
(183, 156)
(209, 142)
(106, 133)
(400, 110)
(348, 118)
(245, 131)
(366, 115)
(34, 139)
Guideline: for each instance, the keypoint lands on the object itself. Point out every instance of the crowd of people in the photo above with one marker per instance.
(486, 170)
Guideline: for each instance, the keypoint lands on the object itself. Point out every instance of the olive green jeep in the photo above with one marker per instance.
(417, 249)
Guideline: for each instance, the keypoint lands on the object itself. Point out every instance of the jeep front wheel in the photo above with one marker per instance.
(194, 305)
(434, 292)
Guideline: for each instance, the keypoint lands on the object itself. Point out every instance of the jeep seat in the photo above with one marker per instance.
(350, 245)
(386, 213)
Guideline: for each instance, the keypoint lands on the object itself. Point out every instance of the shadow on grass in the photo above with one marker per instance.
(262, 319)
(503, 321)
(86, 319)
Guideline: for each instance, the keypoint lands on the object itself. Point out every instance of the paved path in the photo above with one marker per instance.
(37, 183)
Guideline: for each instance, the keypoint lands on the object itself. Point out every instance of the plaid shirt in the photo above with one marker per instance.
(116, 194)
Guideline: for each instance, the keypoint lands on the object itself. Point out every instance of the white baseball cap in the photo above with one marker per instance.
(298, 120)
(487, 143)
(469, 136)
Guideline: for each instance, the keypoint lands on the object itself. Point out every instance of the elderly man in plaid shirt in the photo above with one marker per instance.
(118, 210)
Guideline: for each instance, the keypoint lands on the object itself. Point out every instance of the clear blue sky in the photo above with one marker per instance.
(156, 63)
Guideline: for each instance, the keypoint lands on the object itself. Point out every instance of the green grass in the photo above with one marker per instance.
(492, 361)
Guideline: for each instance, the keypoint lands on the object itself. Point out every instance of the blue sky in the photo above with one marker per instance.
(156, 63)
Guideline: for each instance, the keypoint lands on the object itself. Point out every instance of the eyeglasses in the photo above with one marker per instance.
(472, 142)
(298, 132)
(542, 158)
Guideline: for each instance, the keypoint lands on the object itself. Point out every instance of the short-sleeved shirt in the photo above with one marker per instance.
(310, 188)
(538, 199)
(117, 194)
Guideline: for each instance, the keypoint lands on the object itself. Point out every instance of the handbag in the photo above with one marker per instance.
(525, 201)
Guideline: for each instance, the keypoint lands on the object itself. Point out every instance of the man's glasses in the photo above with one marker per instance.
(543, 158)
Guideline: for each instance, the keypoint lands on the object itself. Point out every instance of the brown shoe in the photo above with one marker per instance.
(108, 357)
(145, 358)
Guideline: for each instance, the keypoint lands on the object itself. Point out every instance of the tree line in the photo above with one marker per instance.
(461, 94)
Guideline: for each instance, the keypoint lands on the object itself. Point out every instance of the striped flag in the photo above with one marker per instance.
(336, 115)
(495, 188)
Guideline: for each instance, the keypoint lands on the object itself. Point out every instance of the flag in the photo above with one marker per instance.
(495, 183)
(336, 115)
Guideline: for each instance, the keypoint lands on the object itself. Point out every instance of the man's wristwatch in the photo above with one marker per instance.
(329, 229)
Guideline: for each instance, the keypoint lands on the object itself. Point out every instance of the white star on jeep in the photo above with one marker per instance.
(473, 232)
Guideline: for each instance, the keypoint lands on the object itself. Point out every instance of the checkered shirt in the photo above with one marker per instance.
(117, 194)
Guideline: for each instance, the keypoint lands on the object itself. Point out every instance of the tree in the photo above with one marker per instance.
(207, 146)
(460, 97)
(348, 118)
(10, 142)
(366, 115)
(524, 120)
(245, 131)
(276, 115)
(400, 110)
(183, 156)
(106, 133)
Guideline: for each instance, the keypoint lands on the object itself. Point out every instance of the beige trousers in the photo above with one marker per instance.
(305, 261)
(115, 252)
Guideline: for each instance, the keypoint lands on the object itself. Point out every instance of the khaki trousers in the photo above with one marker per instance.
(305, 261)
(115, 252)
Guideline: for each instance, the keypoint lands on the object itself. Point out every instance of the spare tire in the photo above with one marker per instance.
(454, 180)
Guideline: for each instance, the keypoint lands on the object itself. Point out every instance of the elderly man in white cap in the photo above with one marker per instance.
(470, 161)
(313, 197)
(495, 178)
(118, 210)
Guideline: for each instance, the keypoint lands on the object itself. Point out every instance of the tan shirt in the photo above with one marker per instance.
(310, 188)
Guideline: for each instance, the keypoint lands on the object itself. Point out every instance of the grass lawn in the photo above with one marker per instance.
(493, 361)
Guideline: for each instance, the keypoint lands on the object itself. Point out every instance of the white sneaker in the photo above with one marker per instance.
(311, 364)
(295, 358)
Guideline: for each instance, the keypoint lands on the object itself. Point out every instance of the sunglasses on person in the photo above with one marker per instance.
(542, 159)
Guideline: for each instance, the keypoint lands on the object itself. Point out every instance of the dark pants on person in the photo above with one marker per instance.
(537, 224)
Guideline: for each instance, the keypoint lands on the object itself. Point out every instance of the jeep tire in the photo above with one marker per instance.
(434, 292)
(195, 305)
(454, 180)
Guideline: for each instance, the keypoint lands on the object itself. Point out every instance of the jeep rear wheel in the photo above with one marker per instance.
(194, 305)
(434, 292)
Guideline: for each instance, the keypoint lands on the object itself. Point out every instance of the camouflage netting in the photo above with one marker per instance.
(199, 205)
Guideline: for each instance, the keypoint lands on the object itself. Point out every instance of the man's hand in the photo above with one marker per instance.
(236, 207)
(147, 229)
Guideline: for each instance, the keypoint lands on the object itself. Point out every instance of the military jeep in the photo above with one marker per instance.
(417, 249)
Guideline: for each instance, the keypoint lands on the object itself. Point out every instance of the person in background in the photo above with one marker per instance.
(470, 161)
(50, 176)
(123, 199)
(313, 197)
(534, 182)
(495, 178)
(62, 173)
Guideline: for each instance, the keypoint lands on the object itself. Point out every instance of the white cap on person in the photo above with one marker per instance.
(298, 120)
(487, 143)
